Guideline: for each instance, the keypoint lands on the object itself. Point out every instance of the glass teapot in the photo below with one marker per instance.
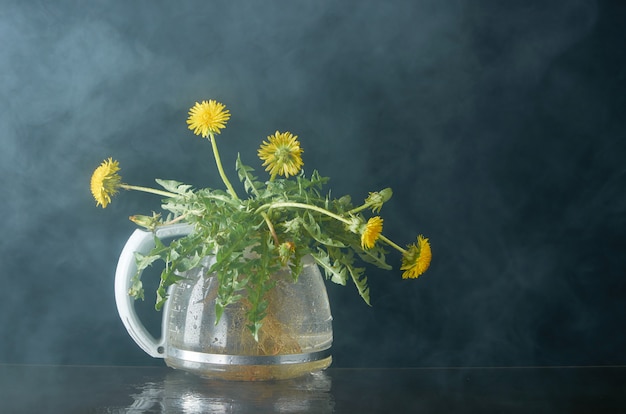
(295, 338)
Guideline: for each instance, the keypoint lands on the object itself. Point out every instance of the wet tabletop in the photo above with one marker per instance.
(89, 389)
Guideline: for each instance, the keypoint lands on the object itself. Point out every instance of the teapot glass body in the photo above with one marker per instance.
(295, 338)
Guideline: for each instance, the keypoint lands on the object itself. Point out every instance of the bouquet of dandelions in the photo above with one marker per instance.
(281, 220)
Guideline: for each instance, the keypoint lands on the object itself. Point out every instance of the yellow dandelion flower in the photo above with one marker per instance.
(371, 232)
(282, 154)
(208, 117)
(416, 258)
(105, 182)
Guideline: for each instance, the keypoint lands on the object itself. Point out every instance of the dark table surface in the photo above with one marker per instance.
(104, 389)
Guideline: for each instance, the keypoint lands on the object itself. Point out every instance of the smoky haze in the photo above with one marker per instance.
(499, 125)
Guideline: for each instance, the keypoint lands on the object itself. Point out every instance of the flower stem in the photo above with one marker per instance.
(177, 219)
(392, 244)
(357, 209)
(147, 190)
(306, 207)
(218, 161)
(271, 227)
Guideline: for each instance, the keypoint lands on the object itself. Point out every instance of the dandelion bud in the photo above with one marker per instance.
(148, 222)
(377, 199)
(285, 251)
(355, 225)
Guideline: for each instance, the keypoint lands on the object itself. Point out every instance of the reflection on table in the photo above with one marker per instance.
(89, 389)
(178, 392)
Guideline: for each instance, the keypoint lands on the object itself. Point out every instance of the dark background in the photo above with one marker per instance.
(500, 126)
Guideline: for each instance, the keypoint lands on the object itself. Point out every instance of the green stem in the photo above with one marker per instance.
(392, 244)
(147, 190)
(357, 209)
(306, 207)
(326, 212)
(271, 227)
(218, 161)
(177, 219)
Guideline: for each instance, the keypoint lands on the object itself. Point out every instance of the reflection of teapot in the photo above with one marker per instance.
(178, 392)
(295, 338)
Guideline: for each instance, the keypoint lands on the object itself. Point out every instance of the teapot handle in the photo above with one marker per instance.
(140, 241)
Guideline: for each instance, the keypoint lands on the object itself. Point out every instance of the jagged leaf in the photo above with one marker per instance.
(189, 262)
(360, 280)
(143, 261)
(374, 256)
(168, 278)
(136, 288)
(313, 228)
(175, 187)
(250, 183)
(336, 272)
